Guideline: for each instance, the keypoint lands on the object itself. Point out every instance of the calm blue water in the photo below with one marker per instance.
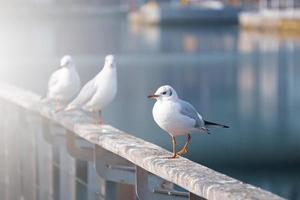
(247, 80)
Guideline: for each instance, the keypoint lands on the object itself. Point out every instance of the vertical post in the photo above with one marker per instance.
(44, 160)
(93, 182)
(12, 168)
(110, 190)
(81, 179)
(141, 185)
(67, 168)
(29, 159)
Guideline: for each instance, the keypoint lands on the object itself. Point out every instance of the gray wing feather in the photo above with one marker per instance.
(85, 94)
(188, 109)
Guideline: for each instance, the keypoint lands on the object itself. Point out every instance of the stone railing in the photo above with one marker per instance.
(122, 158)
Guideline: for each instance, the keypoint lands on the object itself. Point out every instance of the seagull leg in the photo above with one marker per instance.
(184, 149)
(58, 106)
(97, 117)
(100, 117)
(174, 148)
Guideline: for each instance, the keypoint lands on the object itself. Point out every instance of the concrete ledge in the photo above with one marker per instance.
(189, 175)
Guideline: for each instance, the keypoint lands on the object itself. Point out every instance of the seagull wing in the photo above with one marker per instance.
(188, 110)
(53, 79)
(85, 94)
(53, 82)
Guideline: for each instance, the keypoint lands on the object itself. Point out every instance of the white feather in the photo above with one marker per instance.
(98, 92)
(63, 84)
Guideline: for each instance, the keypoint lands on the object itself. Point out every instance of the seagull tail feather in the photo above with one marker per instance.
(212, 124)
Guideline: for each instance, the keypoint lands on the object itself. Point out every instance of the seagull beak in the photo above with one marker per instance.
(153, 96)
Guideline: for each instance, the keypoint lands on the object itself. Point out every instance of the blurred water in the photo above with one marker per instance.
(246, 80)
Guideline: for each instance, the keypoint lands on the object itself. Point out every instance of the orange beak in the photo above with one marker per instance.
(153, 96)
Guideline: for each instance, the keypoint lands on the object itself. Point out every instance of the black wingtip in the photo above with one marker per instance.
(212, 124)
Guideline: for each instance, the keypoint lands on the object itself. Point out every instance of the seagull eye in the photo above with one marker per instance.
(164, 93)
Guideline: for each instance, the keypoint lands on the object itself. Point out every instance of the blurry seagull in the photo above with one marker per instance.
(64, 83)
(177, 117)
(98, 92)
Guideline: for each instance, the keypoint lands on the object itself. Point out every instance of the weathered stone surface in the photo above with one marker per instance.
(192, 176)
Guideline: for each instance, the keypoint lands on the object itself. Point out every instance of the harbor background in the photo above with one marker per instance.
(246, 79)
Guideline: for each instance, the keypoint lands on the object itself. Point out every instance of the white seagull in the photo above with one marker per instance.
(98, 92)
(64, 83)
(177, 117)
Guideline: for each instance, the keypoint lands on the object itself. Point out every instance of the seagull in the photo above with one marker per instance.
(64, 83)
(98, 92)
(178, 117)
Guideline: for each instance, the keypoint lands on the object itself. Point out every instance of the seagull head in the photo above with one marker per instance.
(66, 61)
(164, 93)
(110, 61)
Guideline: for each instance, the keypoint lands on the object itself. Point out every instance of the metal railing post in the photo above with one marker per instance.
(150, 187)
(114, 170)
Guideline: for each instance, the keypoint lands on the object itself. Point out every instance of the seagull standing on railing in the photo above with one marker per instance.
(64, 83)
(98, 92)
(178, 117)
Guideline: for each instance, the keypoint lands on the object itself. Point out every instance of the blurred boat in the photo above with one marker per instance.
(273, 15)
(183, 12)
